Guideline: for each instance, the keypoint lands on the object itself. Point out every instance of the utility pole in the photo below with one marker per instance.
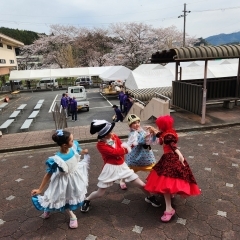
(184, 22)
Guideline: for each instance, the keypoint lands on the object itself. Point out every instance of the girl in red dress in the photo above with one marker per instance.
(172, 174)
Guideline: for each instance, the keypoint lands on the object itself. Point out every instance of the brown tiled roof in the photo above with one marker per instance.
(196, 53)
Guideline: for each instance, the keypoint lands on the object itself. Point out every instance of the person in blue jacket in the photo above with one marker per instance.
(64, 104)
(121, 102)
(73, 107)
(118, 114)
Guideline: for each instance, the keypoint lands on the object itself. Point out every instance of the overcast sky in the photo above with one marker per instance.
(207, 17)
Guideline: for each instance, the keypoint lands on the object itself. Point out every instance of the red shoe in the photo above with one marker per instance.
(167, 216)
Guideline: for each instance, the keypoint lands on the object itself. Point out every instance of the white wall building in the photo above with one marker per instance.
(8, 59)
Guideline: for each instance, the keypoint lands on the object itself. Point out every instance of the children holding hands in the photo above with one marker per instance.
(172, 174)
(141, 157)
(113, 152)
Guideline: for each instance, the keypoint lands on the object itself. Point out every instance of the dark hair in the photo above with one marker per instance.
(61, 139)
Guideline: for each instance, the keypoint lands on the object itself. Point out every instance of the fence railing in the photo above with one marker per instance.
(187, 96)
(59, 117)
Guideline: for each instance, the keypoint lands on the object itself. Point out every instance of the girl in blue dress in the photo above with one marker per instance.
(141, 157)
(68, 176)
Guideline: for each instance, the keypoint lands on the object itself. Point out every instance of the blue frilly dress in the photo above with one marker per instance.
(140, 159)
(68, 184)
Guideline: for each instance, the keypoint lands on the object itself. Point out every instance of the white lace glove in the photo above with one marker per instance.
(125, 145)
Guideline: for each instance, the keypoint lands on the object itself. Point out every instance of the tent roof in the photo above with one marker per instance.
(57, 73)
(196, 53)
(150, 79)
(148, 67)
(115, 73)
(141, 78)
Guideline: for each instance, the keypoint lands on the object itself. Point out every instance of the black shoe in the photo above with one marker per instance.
(85, 206)
(153, 201)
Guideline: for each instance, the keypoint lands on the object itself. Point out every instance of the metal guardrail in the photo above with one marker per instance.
(164, 97)
(137, 100)
(59, 117)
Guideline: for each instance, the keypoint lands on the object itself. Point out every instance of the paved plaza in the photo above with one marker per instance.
(212, 150)
(214, 156)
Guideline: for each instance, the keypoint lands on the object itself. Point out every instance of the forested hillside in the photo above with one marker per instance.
(27, 37)
(220, 39)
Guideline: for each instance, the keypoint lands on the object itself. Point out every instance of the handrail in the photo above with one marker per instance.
(139, 101)
(163, 96)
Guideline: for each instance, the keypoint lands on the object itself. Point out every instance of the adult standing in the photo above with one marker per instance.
(125, 102)
(118, 114)
(73, 107)
(69, 104)
(64, 104)
(121, 97)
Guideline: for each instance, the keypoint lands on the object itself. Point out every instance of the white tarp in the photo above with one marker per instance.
(57, 73)
(153, 76)
(149, 79)
(115, 73)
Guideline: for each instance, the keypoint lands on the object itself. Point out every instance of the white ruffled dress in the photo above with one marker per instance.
(68, 184)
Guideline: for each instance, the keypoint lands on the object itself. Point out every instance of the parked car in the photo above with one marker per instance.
(47, 83)
(83, 81)
(17, 84)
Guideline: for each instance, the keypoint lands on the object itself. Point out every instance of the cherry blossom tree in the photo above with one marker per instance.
(170, 37)
(92, 46)
(127, 44)
(133, 44)
(56, 48)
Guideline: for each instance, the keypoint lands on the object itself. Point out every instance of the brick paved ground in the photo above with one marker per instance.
(214, 156)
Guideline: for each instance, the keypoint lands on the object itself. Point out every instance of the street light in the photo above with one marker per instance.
(184, 22)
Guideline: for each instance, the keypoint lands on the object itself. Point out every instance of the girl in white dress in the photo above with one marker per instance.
(68, 176)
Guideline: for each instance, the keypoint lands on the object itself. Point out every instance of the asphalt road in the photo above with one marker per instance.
(100, 108)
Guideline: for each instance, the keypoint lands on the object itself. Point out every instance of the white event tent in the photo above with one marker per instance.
(157, 76)
(57, 73)
(115, 73)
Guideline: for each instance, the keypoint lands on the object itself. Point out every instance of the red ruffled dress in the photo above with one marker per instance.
(169, 175)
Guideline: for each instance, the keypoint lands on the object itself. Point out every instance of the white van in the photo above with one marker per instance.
(83, 81)
(47, 83)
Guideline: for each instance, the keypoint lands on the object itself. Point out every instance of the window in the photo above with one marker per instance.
(9, 47)
(2, 61)
(76, 90)
(1, 45)
(11, 61)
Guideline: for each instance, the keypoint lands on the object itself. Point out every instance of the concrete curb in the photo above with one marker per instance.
(179, 130)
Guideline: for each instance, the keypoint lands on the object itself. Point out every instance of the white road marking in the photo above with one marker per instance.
(106, 99)
(95, 98)
(54, 102)
(100, 107)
